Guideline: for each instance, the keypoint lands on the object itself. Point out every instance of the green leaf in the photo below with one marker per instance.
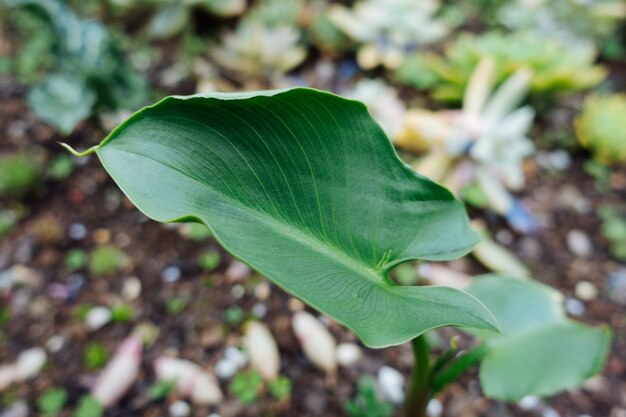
(52, 401)
(305, 187)
(88, 406)
(62, 100)
(539, 350)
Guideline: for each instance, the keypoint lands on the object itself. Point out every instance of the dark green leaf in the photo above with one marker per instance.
(305, 187)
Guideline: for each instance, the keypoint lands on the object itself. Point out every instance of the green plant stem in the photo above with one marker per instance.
(458, 367)
(419, 391)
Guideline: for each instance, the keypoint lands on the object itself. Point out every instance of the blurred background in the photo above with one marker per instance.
(517, 106)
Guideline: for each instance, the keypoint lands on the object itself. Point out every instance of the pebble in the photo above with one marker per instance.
(529, 402)
(55, 343)
(434, 408)
(259, 310)
(171, 274)
(236, 356)
(575, 307)
(179, 409)
(214, 415)
(131, 289)
(17, 409)
(586, 290)
(97, 317)
(550, 412)
(348, 354)
(237, 272)
(391, 384)
(616, 286)
(237, 291)
(77, 231)
(18, 275)
(579, 243)
(295, 305)
(225, 369)
(262, 290)
(30, 362)
(504, 236)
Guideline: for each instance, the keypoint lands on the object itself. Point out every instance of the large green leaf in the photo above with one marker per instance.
(539, 351)
(305, 187)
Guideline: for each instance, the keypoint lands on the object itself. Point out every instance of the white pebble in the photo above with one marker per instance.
(578, 243)
(574, 307)
(348, 354)
(171, 274)
(179, 409)
(550, 412)
(236, 356)
(225, 369)
(237, 291)
(97, 317)
(17, 409)
(529, 402)
(586, 290)
(214, 415)
(55, 343)
(434, 408)
(391, 384)
(29, 363)
(131, 289)
(259, 310)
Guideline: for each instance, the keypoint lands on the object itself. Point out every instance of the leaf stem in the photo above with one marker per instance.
(419, 391)
(458, 367)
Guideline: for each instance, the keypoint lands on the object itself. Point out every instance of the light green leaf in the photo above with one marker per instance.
(305, 187)
(539, 350)
(63, 101)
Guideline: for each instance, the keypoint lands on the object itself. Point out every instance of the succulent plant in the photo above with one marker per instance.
(483, 145)
(265, 43)
(569, 20)
(382, 102)
(387, 30)
(600, 128)
(556, 66)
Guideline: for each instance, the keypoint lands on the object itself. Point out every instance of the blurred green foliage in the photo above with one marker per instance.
(366, 402)
(19, 174)
(601, 128)
(51, 402)
(107, 260)
(95, 355)
(556, 67)
(246, 386)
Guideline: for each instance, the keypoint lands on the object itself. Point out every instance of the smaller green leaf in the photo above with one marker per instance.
(62, 101)
(88, 406)
(539, 350)
(246, 386)
(52, 401)
(280, 388)
(95, 356)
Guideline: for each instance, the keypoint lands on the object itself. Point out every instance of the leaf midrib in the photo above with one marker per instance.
(289, 230)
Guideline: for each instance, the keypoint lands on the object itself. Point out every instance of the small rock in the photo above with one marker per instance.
(262, 290)
(586, 290)
(225, 369)
(171, 274)
(295, 305)
(55, 343)
(131, 289)
(391, 384)
(77, 231)
(98, 317)
(599, 384)
(618, 412)
(259, 310)
(30, 362)
(575, 307)
(549, 412)
(348, 354)
(147, 332)
(236, 356)
(179, 409)
(529, 402)
(237, 291)
(578, 243)
(616, 286)
(237, 272)
(434, 408)
(17, 409)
